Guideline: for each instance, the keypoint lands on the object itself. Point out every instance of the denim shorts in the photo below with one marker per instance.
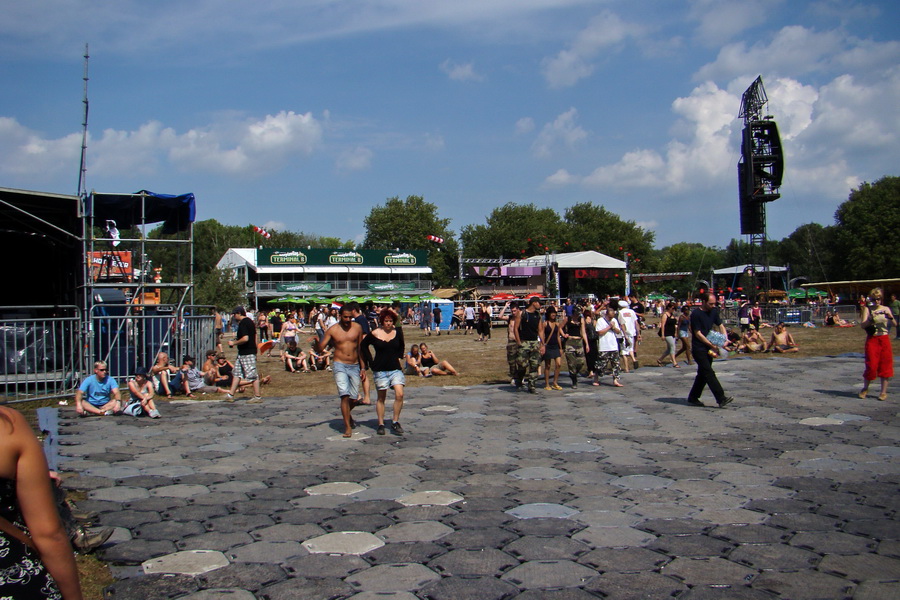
(346, 377)
(385, 380)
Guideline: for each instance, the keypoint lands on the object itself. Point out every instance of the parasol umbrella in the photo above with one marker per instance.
(658, 296)
(504, 296)
(795, 293)
(814, 292)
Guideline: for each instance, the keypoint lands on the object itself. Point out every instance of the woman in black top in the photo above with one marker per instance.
(552, 352)
(575, 343)
(667, 329)
(387, 366)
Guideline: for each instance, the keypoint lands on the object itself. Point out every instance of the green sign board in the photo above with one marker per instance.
(303, 287)
(391, 287)
(320, 257)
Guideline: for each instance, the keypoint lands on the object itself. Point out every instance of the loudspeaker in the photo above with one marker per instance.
(753, 212)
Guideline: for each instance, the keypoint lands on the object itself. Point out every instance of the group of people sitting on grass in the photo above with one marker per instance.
(421, 361)
(781, 342)
(297, 361)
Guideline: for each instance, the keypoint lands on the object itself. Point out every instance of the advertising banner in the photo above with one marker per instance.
(319, 257)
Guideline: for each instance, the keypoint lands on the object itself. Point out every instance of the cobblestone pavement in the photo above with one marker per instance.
(790, 492)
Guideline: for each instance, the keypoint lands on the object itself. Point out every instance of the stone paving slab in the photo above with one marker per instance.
(793, 491)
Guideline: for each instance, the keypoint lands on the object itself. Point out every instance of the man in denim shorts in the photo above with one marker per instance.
(348, 366)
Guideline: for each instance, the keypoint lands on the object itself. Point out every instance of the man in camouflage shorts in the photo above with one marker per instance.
(529, 337)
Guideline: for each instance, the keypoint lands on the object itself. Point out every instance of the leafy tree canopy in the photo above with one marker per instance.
(868, 231)
(406, 224)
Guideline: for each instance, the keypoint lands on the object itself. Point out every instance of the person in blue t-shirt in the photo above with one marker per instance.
(98, 394)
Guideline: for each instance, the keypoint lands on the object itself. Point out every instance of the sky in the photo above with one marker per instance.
(302, 115)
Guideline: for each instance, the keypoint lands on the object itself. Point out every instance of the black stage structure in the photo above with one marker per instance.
(760, 171)
(77, 291)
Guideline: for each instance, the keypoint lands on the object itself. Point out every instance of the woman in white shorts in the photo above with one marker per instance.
(387, 366)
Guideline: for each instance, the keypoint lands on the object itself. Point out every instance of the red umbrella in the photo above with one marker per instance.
(504, 297)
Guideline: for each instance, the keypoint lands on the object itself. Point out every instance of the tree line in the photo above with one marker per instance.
(862, 243)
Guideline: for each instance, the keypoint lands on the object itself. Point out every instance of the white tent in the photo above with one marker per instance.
(573, 260)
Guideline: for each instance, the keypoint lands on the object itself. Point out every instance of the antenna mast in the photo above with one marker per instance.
(82, 169)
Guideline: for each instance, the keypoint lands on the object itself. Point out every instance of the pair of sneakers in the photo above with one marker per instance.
(396, 429)
(253, 400)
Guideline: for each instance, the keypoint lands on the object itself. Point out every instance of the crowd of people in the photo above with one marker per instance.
(597, 339)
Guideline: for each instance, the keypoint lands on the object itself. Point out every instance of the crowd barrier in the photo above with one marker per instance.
(46, 357)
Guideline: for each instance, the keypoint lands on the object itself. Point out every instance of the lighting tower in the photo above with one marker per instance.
(760, 171)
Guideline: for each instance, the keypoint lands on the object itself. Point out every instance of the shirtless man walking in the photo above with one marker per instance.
(348, 366)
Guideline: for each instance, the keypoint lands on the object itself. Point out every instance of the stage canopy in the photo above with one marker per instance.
(739, 269)
(588, 259)
(175, 212)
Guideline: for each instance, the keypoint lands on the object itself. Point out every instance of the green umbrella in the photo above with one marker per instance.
(797, 293)
(814, 292)
(657, 296)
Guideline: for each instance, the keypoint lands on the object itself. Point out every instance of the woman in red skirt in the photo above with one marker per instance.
(875, 320)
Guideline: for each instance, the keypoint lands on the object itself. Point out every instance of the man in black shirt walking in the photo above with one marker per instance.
(703, 320)
(245, 368)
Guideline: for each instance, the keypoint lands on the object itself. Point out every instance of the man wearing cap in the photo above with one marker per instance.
(529, 337)
(245, 367)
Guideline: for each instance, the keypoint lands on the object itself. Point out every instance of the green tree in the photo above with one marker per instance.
(218, 288)
(868, 231)
(406, 224)
(592, 227)
(809, 251)
(513, 231)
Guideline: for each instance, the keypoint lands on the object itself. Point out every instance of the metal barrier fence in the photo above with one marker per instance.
(131, 336)
(39, 357)
(794, 315)
(46, 357)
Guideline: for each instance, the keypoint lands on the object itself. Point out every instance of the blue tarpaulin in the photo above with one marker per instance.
(176, 213)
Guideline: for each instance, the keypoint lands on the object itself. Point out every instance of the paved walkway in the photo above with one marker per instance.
(791, 492)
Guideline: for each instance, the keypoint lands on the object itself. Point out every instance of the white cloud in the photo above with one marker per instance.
(356, 159)
(460, 72)
(576, 62)
(203, 30)
(720, 20)
(434, 141)
(561, 132)
(26, 152)
(561, 177)
(796, 51)
(834, 133)
(274, 226)
(524, 125)
(247, 148)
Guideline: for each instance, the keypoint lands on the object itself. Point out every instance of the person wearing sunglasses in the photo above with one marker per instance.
(98, 394)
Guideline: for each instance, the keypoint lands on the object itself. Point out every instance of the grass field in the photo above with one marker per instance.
(478, 363)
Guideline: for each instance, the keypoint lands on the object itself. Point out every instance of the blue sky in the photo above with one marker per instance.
(303, 114)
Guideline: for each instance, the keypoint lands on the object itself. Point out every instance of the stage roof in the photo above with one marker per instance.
(740, 269)
(588, 259)
(175, 212)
